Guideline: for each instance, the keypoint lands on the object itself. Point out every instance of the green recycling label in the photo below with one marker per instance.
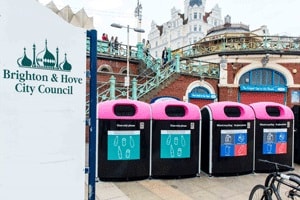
(175, 144)
(123, 145)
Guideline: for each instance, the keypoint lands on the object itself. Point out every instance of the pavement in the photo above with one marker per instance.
(202, 187)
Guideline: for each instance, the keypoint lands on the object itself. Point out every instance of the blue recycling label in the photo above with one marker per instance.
(274, 141)
(233, 143)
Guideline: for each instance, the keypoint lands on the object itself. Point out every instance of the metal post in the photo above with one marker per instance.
(177, 63)
(92, 34)
(134, 89)
(127, 80)
(138, 15)
(140, 51)
(112, 88)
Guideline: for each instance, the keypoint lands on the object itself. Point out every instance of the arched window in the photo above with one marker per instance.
(263, 76)
(201, 93)
(105, 68)
(123, 70)
(266, 79)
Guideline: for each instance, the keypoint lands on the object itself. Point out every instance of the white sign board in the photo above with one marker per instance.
(42, 104)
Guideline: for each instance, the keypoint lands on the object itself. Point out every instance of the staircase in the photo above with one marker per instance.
(153, 93)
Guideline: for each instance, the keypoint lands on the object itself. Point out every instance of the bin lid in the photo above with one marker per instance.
(229, 110)
(175, 110)
(124, 109)
(271, 111)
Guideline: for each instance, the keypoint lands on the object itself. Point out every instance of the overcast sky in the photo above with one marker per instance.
(281, 16)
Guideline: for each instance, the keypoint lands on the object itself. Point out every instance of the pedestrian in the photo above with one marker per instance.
(147, 48)
(111, 44)
(164, 56)
(104, 37)
(144, 42)
(116, 45)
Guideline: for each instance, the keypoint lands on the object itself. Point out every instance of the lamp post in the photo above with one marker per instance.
(127, 78)
(138, 15)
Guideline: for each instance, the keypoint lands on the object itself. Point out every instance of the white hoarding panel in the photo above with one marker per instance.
(42, 104)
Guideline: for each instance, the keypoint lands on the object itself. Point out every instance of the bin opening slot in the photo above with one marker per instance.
(273, 111)
(175, 111)
(232, 111)
(124, 110)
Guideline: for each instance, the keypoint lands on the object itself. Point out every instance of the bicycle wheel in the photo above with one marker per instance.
(285, 190)
(259, 192)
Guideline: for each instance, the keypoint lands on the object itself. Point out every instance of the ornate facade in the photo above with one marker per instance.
(184, 28)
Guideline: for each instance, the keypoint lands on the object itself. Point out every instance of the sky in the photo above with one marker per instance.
(280, 16)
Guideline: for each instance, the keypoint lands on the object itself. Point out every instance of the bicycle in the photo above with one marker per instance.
(277, 184)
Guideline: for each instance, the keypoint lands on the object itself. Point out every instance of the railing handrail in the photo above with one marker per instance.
(234, 43)
(161, 73)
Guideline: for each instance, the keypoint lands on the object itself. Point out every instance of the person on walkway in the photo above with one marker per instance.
(111, 44)
(164, 55)
(144, 42)
(106, 37)
(147, 48)
(116, 45)
(103, 36)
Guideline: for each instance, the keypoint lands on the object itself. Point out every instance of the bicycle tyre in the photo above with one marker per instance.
(283, 189)
(259, 192)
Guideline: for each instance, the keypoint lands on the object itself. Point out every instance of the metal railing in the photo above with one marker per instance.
(207, 46)
(162, 74)
(239, 44)
(108, 48)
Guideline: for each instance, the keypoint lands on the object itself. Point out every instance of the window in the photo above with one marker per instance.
(195, 15)
(195, 39)
(201, 93)
(263, 77)
(199, 28)
(105, 68)
(123, 70)
(195, 28)
(200, 90)
(215, 23)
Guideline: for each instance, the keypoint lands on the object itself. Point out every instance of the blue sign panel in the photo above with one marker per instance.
(202, 96)
(275, 141)
(175, 144)
(123, 145)
(263, 88)
(233, 143)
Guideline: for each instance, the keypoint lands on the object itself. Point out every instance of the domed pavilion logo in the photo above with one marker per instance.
(44, 60)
